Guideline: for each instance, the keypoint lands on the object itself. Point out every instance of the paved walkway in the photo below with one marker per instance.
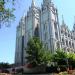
(65, 73)
(4, 74)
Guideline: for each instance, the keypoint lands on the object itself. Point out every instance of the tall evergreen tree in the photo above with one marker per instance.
(60, 57)
(36, 53)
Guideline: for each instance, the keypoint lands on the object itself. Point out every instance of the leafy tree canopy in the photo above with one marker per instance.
(4, 65)
(60, 54)
(71, 56)
(6, 12)
(60, 57)
(36, 53)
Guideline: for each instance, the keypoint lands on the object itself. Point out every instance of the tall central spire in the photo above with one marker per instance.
(63, 22)
(47, 1)
(33, 3)
(74, 24)
(74, 20)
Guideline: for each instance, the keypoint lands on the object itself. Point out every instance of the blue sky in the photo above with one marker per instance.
(8, 35)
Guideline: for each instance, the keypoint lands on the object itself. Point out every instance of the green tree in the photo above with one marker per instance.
(4, 65)
(36, 53)
(71, 59)
(60, 57)
(6, 12)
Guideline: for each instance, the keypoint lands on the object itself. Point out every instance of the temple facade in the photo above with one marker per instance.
(43, 23)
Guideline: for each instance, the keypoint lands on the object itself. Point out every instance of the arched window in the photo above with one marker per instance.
(62, 41)
(69, 43)
(36, 33)
(55, 25)
(71, 37)
(73, 45)
(66, 43)
(45, 36)
(65, 33)
(56, 35)
(61, 31)
(68, 35)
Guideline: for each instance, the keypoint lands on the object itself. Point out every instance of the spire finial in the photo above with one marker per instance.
(33, 3)
(74, 24)
(74, 20)
(63, 20)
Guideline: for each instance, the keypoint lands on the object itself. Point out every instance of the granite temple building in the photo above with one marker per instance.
(43, 22)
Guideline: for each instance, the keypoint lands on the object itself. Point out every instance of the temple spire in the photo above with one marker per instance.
(63, 22)
(74, 24)
(74, 20)
(47, 1)
(33, 3)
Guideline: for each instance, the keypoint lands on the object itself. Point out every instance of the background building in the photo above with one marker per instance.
(44, 23)
(67, 38)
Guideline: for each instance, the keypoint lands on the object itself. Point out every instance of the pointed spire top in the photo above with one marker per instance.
(74, 24)
(63, 22)
(74, 20)
(33, 3)
(47, 1)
